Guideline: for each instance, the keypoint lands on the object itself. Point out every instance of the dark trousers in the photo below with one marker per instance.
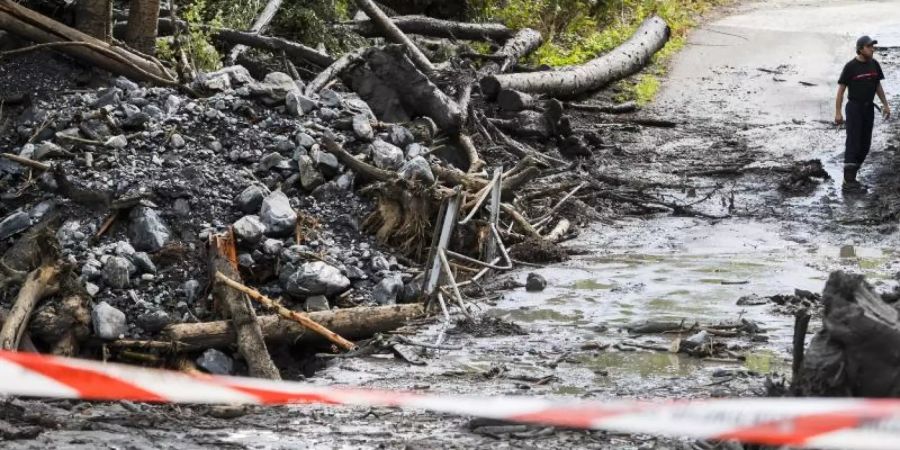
(860, 117)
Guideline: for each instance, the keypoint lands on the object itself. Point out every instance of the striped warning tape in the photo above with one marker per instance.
(810, 423)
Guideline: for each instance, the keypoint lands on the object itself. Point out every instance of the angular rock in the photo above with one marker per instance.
(109, 323)
(326, 162)
(250, 199)
(191, 290)
(237, 75)
(143, 262)
(400, 136)
(363, 128)
(117, 142)
(386, 156)
(386, 291)
(416, 169)
(177, 141)
(275, 85)
(117, 272)
(215, 362)
(277, 214)
(125, 84)
(316, 303)
(108, 97)
(249, 229)
(305, 140)
(535, 282)
(47, 149)
(124, 249)
(316, 277)
(14, 223)
(310, 178)
(147, 230)
(153, 321)
(272, 246)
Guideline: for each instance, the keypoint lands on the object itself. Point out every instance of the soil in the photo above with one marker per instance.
(746, 200)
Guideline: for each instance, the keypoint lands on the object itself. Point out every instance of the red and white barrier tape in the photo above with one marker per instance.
(801, 422)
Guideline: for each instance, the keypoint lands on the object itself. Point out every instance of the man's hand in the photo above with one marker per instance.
(886, 112)
(838, 118)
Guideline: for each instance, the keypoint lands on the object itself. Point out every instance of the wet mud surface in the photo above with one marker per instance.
(745, 113)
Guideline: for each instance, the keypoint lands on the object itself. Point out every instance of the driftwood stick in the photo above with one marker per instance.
(234, 305)
(560, 230)
(428, 26)
(367, 170)
(801, 325)
(520, 220)
(300, 318)
(475, 162)
(358, 323)
(40, 283)
(334, 70)
(26, 162)
(259, 25)
(393, 34)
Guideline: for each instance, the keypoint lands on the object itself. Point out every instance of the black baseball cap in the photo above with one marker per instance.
(864, 41)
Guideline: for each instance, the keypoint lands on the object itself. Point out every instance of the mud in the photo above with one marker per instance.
(767, 242)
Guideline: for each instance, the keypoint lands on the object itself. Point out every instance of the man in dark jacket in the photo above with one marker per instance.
(862, 77)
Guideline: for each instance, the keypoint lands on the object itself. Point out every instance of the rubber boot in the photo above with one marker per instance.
(850, 184)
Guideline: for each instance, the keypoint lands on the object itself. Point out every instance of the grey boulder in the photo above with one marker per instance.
(317, 277)
(277, 214)
(249, 229)
(109, 322)
(386, 291)
(147, 230)
(386, 156)
(215, 362)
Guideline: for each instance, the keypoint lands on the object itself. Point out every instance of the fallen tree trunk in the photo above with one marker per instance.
(259, 25)
(236, 306)
(393, 34)
(237, 37)
(428, 26)
(41, 282)
(522, 43)
(352, 323)
(36, 27)
(409, 87)
(857, 352)
(622, 61)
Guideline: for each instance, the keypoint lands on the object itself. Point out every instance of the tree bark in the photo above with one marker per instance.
(41, 282)
(94, 17)
(352, 323)
(621, 62)
(237, 37)
(259, 25)
(522, 43)
(857, 352)
(393, 34)
(427, 26)
(414, 90)
(236, 306)
(36, 27)
(141, 31)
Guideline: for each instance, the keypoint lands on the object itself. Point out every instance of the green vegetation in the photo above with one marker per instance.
(196, 43)
(576, 31)
(309, 22)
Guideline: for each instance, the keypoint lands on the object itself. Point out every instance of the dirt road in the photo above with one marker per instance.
(755, 89)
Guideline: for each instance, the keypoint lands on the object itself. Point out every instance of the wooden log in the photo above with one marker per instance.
(511, 100)
(33, 26)
(285, 313)
(334, 71)
(231, 36)
(236, 306)
(142, 21)
(390, 31)
(259, 25)
(418, 95)
(94, 17)
(428, 26)
(560, 230)
(40, 283)
(524, 42)
(621, 62)
(352, 323)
